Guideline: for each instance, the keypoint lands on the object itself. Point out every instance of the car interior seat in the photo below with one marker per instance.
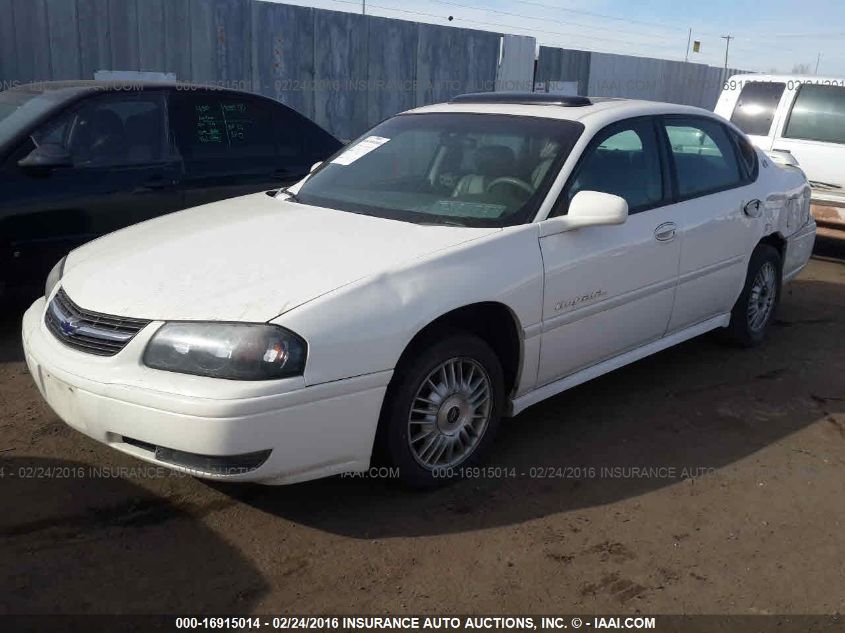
(98, 138)
(491, 162)
(144, 137)
(547, 157)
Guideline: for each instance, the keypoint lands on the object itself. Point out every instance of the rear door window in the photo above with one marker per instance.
(756, 107)
(747, 155)
(818, 114)
(705, 159)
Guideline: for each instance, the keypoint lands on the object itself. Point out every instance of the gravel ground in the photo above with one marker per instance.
(741, 511)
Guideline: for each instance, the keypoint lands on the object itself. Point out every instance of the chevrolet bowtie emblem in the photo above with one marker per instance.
(69, 325)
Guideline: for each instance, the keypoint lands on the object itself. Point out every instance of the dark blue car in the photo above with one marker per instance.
(81, 159)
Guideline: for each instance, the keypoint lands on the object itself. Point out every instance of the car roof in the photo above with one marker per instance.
(599, 111)
(47, 97)
(69, 89)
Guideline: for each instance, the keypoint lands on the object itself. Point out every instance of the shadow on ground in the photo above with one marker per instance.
(11, 315)
(100, 544)
(830, 248)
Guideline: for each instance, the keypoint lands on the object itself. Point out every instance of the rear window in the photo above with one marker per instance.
(755, 109)
(818, 114)
(225, 127)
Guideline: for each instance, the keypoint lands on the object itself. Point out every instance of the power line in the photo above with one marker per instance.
(543, 19)
(486, 23)
(665, 25)
(813, 35)
(598, 15)
(533, 30)
(582, 25)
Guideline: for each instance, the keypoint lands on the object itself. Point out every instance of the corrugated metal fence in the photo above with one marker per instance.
(344, 70)
(608, 75)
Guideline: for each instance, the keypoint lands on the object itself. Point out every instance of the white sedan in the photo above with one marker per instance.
(457, 264)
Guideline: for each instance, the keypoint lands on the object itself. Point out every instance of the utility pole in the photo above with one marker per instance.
(689, 39)
(818, 59)
(727, 39)
(363, 7)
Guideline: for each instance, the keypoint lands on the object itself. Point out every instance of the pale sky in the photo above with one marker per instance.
(771, 35)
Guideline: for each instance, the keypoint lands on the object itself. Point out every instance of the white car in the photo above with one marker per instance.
(797, 119)
(458, 263)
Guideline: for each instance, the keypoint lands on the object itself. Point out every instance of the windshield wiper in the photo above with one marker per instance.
(291, 195)
(443, 223)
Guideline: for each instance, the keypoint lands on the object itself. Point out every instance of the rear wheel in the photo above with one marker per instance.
(442, 410)
(755, 308)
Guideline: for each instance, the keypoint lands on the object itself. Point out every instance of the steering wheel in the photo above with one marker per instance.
(514, 182)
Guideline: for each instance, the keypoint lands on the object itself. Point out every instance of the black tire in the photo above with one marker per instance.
(741, 331)
(392, 442)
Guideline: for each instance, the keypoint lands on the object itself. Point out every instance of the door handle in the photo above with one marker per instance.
(156, 184)
(753, 209)
(665, 232)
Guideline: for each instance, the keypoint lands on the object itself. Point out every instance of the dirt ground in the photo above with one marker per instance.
(741, 511)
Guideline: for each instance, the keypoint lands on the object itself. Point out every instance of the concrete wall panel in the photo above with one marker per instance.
(177, 38)
(33, 40)
(340, 72)
(516, 69)
(221, 43)
(444, 68)
(9, 68)
(151, 35)
(283, 54)
(123, 27)
(94, 37)
(64, 39)
(392, 67)
(559, 64)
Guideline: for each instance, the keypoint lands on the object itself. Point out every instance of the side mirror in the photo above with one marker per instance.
(588, 208)
(315, 166)
(47, 156)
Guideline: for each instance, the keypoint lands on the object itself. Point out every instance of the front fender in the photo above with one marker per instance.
(364, 327)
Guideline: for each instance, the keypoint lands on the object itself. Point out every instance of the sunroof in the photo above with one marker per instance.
(522, 98)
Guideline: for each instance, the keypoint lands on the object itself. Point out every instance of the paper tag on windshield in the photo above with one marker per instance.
(362, 148)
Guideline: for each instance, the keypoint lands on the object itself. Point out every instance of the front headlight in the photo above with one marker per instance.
(239, 351)
(55, 276)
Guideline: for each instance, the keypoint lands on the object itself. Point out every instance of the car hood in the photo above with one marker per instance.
(245, 259)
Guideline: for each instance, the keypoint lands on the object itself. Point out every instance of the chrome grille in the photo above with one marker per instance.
(87, 331)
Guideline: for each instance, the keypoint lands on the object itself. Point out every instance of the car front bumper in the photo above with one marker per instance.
(273, 432)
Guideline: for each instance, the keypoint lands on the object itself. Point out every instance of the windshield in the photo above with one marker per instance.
(11, 100)
(18, 109)
(446, 168)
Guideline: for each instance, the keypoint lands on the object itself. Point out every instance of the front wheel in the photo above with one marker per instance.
(755, 308)
(442, 410)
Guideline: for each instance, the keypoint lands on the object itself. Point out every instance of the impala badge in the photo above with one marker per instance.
(577, 301)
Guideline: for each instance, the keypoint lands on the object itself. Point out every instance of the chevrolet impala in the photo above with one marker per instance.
(456, 264)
